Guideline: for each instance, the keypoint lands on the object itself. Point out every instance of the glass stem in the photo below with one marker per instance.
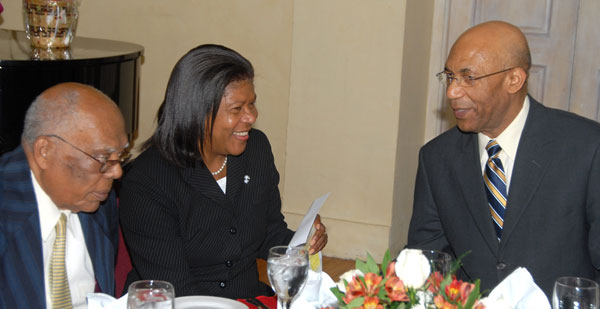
(286, 304)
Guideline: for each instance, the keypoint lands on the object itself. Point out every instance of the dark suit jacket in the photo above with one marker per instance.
(552, 222)
(180, 227)
(21, 257)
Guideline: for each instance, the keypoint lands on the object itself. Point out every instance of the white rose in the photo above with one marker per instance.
(348, 277)
(412, 267)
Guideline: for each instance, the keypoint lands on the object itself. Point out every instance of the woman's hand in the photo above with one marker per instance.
(319, 239)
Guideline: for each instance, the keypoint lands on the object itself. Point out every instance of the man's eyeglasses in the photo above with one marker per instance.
(105, 164)
(463, 81)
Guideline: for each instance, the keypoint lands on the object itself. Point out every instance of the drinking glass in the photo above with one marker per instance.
(151, 294)
(575, 292)
(287, 268)
(439, 261)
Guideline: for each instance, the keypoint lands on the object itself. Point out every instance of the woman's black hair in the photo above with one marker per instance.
(194, 92)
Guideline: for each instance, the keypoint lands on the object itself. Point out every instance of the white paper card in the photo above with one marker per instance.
(301, 235)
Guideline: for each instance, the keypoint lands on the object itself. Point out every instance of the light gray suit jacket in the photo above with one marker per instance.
(552, 222)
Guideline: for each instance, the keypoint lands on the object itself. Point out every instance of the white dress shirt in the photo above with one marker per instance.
(508, 141)
(80, 272)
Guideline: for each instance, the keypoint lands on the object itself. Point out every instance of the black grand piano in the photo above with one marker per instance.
(111, 66)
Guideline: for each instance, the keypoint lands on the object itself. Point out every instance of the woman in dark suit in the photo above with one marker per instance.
(201, 202)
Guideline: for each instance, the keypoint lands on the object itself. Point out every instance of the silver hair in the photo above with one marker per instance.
(50, 116)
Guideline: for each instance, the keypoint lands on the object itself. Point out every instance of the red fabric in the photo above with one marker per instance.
(269, 301)
(123, 264)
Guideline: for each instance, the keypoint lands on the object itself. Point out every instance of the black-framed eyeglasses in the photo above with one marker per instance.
(463, 81)
(105, 164)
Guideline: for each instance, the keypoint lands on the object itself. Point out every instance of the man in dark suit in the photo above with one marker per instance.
(515, 183)
(51, 188)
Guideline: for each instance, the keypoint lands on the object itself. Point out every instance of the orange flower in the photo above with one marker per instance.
(353, 290)
(465, 291)
(395, 289)
(372, 303)
(453, 290)
(441, 303)
(372, 284)
(391, 270)
(434, 281)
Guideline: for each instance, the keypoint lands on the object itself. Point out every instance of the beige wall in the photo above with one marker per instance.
(332, 94)
(343, 119)
(413, 102)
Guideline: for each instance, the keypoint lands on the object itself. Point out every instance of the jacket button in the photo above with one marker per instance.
(232, 230)
(222, 284)
(229, 263)
(500, 266)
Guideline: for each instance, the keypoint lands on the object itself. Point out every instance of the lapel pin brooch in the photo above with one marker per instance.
(246, 179)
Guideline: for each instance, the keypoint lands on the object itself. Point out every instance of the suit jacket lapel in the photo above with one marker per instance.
(473, 189)
(100, 248)
(533, 156)
(200, 178)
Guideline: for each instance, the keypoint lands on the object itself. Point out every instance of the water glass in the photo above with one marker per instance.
(287, 268)
(575, 292)
(151, 294)
(439, 261)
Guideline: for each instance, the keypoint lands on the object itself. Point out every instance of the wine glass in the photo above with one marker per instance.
(575, 292)
(287, 268)
(151, 294)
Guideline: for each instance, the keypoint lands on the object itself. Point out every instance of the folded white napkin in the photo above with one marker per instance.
(517, 291)
(105, 301)
(316, 293)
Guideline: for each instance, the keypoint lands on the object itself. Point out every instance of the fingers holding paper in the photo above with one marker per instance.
(319, 239)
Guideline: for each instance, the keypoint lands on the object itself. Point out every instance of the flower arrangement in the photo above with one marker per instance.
(405, 283)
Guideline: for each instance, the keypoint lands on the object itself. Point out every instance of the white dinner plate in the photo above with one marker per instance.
(207, 302)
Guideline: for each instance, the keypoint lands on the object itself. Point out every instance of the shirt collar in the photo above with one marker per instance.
(509, 138)
(48, 211)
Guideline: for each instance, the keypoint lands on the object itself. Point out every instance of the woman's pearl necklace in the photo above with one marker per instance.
(221, 169)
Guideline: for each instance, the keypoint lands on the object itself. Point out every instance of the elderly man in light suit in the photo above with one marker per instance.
(515, 183)
(52, 190)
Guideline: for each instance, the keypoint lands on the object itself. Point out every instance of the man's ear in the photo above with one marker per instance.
(517, 79)
(43, 150)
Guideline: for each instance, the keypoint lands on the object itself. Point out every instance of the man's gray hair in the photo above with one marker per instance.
(49, 116)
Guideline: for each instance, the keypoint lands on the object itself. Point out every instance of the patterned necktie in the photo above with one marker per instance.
(59, 286)
(495, 185)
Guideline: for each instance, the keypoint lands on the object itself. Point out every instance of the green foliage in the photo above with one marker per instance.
(338, 294)
(473, 296)
(456, 264)
(372, 266)
(445, 282)
(357, 302)
(361, 265)
(386, 261)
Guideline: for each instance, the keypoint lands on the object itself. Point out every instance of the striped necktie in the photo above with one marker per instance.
(495, 186)
(59, 285)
